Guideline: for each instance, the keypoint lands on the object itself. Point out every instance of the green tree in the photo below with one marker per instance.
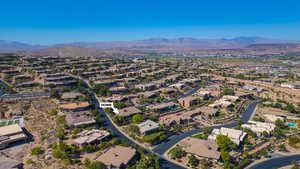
(225, 143)
(291, 108)
(89, 148)
(60, 133)
(55, 94)
(250, 132)
(295, 165)
(193, 161)
(282, 147)
(155, 137)
(102, 90)
(177, 152)
(263, 152)
(280, 124)
(93, 165)
(133, 129)
(109, 110)
(294, 141)
(207, 130)
(225, 155)
(206, 164)
(37, 151)
(53, 112)
(137, 118)
(240, 76)
(120, 120)
(119, 105)
(64, 152)
(227, 91)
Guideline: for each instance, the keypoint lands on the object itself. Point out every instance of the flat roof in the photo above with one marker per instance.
(10, 129)
(129, 111)
(8, 163)
(117, 155)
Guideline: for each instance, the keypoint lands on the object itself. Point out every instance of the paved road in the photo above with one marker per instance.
(109, 125)
(276, 162)
(3, 87)
(163, 147)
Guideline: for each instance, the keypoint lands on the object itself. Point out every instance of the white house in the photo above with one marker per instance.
(234, 135)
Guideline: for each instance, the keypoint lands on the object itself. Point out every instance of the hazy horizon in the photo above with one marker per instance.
(53, 22)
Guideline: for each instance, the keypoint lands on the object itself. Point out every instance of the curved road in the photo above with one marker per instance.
(115, 131)
(160, 149)
(276, 162)
(163, 147)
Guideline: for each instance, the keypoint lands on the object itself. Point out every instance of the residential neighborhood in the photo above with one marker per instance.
(79, 112)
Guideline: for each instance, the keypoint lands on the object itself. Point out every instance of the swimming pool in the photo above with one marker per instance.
(292, 124)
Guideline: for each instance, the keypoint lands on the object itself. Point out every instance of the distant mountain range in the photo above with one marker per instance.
(153, 43)
(181, 43)
(12, 46)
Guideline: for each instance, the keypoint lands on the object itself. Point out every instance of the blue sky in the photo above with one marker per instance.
(60, 21)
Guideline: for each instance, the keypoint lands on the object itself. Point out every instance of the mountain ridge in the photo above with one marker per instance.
(151, 43)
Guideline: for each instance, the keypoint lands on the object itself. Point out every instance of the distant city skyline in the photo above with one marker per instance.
(53, 22)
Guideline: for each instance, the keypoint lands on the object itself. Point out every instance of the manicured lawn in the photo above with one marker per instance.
(201, 136)
(155, 137)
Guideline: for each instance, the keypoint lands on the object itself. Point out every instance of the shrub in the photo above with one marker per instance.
(60, 133)
(29, 161)
(294, 141)
(37, 151)
(225, 143)
(53, 112)
(177, 152)
(193, 161)
(155, 137)
(137, 118)
(227, 91)
(243, 164)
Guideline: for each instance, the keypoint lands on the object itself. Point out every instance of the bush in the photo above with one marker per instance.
(60, 133)
(109, 110)
(37, 151)
(137, 118)
(227, 91)
(133, 129)
(225, 143)
(177, 152)
(120, 120)
(250, 132)
(29, 161)
(155, 137)
(225, 156)
(119, 105)
(64, 151)
(53, 112)
(280, 124)
(294, 141)
(193, 161)
(201, 136)
(207, 130)
(102, 90)
(89, 148)
(243, 164)
(94, 165)
(282, 147)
